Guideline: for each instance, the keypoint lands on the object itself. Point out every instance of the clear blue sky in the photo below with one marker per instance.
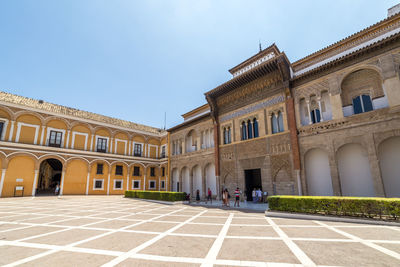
(135, 60)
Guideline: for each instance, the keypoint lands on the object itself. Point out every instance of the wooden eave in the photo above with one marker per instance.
(187, 123)
(196, 110)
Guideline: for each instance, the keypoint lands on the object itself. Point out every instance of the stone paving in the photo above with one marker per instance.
(114, 231)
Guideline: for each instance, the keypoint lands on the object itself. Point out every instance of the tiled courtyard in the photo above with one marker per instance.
(114, 231)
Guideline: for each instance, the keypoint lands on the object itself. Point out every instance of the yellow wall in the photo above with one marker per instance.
(93, 176)
(140, 177)
(79, 142)
(75, 178)
(15, 171)
(58, 124)
(118, 177)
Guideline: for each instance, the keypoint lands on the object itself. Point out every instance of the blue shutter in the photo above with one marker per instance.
(274, 122)
(244, 131)
(255, 126)
(318, 115)
(280, 121)
(357, 105)
(366, 99)
(250, 129)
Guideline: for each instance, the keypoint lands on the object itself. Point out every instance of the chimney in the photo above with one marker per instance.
(393, 10)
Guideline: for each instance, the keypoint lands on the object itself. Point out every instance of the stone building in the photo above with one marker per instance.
(44, 144)
(327, 124)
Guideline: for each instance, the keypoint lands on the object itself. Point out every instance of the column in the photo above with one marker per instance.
(129, 147)
(3, 174)
(128, 170)
(320, 109)
(108, 181)
(42, 135)
(62, 181)
(11, 131)
(111, 145)
(144, 182)
(35, 179)
(203, 183)
(191, 183)
(3, 134)
(87, 182)
(91, 141)
(309, 112)
(375, 167)
(67, 142)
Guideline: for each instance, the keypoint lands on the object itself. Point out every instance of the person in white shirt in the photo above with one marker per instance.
(259, 194)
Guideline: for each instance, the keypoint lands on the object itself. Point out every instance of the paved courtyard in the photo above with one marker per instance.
(114, 231)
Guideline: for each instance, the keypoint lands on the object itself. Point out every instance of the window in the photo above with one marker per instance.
(55, 138)
(255, 127)
(118, 170)
(249, 130)
(244, 131)
(136, 171)
(118, 184)
(152, 184)
(137, 152)
(315, 116)
(1, 128)
(163, 152)
(99, 168)
(362, 104)
(136, 184)
(163, 171)
(227, 135)
(98, 184)
(152, 171)
(277, 122)
(162, 185)
(102, 145)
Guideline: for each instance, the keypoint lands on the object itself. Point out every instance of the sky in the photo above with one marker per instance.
(137, 60)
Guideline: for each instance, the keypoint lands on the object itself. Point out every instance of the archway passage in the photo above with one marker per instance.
(49, 176)
(389, 160)
(252, 181)
(318, 173)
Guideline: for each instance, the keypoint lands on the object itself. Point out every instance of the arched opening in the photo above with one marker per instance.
(49, 176)
(197, 181)
(244, 131)
(185, 180)
(318, 173)
(211, 180)
(255, 127)
(190, 141)
(354, 171)
(389, 160)
(249, 129)
(175, 180)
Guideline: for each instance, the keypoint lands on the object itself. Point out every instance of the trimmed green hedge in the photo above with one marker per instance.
(156, 195)
(368, 207)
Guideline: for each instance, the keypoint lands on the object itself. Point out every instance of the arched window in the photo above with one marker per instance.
(225, 135)
(274, 123)
(362, 104)
(249, 129)
(255, 127)
(229, 135)
(315, 116)
(281, 128)
(244, 131)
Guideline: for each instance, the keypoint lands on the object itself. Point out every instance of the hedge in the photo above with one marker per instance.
(368, 207)
(156, 195)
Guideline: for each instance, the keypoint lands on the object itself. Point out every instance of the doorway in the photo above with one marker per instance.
(49, 176)
(252, 180)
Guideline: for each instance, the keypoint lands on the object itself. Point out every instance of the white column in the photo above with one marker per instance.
(144, 182)
(309, 113)
(299, 182)
(127, 180)
(3, 174)
(91, 142)
(35, 179)
(42, 136)
(129, 147)
(11, 131)
(111, 145)
(87, 183)
(108, 183)
(62, 182)
(66, 144)
(320, 109)
(3, 134)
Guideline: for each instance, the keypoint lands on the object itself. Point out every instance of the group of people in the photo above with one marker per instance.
(226, 196)
(257, 195)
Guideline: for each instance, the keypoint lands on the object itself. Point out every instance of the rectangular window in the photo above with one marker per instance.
(136, 184)
(102, 145)
(118, 170)
(98, 184)
(55, 138)
(152, 184)
(162, 184)
(118, 184)
(136, 171)
(137, 152)
(163, 152)
(152, 172)
(99, 168)
(1, 128)
(163, 171)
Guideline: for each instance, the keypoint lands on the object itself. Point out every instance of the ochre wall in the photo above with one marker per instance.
(93, 176)
(75, 178)
(15, 171)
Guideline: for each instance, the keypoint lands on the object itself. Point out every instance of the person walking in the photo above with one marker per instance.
(259, 195)
(209, 196)
(224, 197)
(254, 195)
(237, 197)
(57, 190)
(198, 196)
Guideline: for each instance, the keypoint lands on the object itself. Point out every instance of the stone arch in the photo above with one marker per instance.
(31, 113)
(197, 175)
(57, 118)
(354, 181)
(175, 180)
(389, 161)
(25, 153)
(318, 173)
(15, 171)
(190, 141)
(8, 111)
(211, 179)
(83, 124)
(185, 179)
(75, 179)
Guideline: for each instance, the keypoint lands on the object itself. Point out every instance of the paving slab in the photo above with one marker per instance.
(9, 254)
